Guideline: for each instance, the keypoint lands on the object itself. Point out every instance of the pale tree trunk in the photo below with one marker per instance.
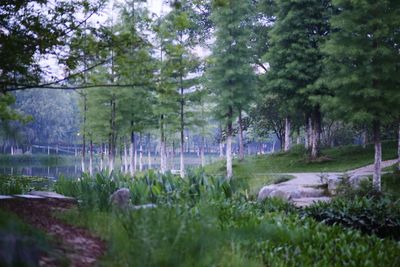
(140, 153)
(110, 158)
(91, 158)
(148, 159)
(163, 163)
(315, 134)
(221, 150)
(273, 145)
(287, 134)
(229, 171)
(135, 156)
(376, 179)
(125, 157)
(131, 152)
(48, 150)
(364, 138)
(308, 128)
(398, 149)
(241, 145)
(203, 162)
(102, 158)
(84, 134)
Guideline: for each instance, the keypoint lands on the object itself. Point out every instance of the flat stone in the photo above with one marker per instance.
(47, 194)
(28, 196)
(5, 197)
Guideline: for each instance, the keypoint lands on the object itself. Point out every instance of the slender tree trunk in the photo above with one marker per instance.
(102, 157)
(126, 170)
(241, 145)
(131, 152)
(148, 152)
(84, 133)
(91, 158)
(229, 171)
(398, 148)
(287, 134)
(203, 161)
(315, 134)
(376, 180)
(364, 138)
(140, 153)
(308, 128)
(221, 150)
(163, 163)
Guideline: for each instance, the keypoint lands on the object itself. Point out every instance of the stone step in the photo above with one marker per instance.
(47, 194)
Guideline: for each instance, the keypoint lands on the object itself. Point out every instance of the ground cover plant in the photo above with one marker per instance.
(203, 221)
(10, 184)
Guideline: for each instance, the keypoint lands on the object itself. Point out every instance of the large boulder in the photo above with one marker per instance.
(265, 192)
(121, 198)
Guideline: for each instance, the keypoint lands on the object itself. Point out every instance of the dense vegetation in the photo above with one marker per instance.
(203, 221)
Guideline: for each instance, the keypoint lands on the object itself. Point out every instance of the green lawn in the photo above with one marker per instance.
(257, 169)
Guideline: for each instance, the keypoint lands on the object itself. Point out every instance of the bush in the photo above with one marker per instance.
(371, 215)
(10, 185)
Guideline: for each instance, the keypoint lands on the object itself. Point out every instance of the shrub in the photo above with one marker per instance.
(10, 184)
(371, 215)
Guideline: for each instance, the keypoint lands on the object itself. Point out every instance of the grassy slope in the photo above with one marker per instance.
(257, 169)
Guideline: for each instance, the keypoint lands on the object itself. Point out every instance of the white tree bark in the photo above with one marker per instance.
(287, 134)
(148, 158)
(91, 159)
(202, 158)
(398, 149)
(131, 152)
(229, 171)
(126, 169)
(376, 179)
(140, 154)
(241, 145)
(364, 138)
(221, 150)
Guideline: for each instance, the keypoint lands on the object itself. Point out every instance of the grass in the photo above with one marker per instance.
(258, 169)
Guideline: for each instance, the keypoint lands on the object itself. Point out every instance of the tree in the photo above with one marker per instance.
(363, 66)
(295, 60)
(230, 72)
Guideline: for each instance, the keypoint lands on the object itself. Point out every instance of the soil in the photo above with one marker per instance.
(77, 245)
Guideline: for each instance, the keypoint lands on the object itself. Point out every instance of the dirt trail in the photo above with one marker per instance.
(78, 245)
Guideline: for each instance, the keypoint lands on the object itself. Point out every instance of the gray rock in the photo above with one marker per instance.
(282, 194)
(121, 198)
(333, 183)
(265, 192)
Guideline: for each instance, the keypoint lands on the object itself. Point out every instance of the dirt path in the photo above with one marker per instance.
(79, 246)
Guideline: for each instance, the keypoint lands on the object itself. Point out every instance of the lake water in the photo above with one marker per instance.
(73, 169)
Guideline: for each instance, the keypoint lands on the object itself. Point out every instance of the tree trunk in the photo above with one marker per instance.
(203, 161)
(376, 179)
(229, 171)
(221, 150)
(308, 128)
(315, 134)
(102, 158)
(84, 133)
(287, 134)
(241, 145)
(91, 158)
(364, 138)
(125, 157)
(163, 163)
(131, 152)
(398, 148)
(140, 153)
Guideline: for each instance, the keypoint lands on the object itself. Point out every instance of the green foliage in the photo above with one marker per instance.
(362, 61)
(231, 232)
(373, 215)
(94, 192)
(10, 185)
